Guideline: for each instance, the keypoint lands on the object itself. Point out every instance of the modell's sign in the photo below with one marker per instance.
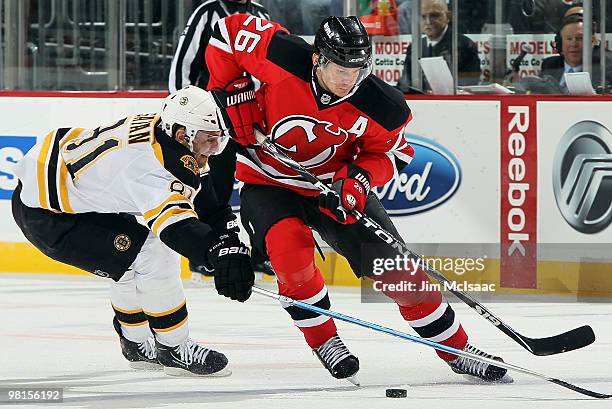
(432, 177)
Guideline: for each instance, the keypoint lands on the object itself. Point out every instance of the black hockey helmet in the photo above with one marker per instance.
(344, 41)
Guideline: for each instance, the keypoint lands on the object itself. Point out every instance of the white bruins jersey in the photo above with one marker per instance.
(131, 166)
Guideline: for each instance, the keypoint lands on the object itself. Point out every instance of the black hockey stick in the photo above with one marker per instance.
(567, 341)
(423, 341)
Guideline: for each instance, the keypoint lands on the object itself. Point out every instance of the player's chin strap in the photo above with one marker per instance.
(423, 341)
(567, 341)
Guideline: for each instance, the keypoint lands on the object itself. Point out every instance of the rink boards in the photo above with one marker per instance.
(489, 180)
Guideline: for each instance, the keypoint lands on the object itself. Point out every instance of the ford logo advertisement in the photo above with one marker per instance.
(429, 180)
(12, 150)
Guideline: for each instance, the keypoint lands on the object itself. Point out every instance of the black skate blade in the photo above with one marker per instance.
(474, 380)
(575, 339)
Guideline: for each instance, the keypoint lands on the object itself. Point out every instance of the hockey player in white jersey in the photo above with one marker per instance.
(78, 196)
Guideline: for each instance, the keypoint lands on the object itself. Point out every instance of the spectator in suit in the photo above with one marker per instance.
(569, 59)
(438, 42)
(472, 15)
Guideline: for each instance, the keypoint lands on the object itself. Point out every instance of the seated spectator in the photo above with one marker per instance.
(472, 16)
(438, 42)
(570, 54)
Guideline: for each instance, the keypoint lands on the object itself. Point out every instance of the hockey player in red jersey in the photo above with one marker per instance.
(324, 109)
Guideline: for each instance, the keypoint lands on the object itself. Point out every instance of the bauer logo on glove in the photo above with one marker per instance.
(233, 250)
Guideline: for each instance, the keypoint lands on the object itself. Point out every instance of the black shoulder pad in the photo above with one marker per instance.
(178, 160)
(292, 54)
(381, 102)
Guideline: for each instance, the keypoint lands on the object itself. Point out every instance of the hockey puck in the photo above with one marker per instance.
(396, 393)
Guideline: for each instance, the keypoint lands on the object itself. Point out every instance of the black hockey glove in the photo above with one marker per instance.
(234, 276)
(223, 220)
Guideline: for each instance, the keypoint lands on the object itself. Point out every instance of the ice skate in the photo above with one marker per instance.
(142, 356)
(480, 370)
(338, 360)
(191, 359)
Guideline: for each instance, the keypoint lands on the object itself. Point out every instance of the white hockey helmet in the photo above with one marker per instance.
(196, 110)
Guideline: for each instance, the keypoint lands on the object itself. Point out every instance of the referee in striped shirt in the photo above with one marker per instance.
(189, 64)
(189, 68)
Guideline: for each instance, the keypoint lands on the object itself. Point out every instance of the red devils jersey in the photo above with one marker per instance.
(316, 128)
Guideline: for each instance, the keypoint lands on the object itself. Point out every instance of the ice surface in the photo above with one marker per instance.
(57, 332)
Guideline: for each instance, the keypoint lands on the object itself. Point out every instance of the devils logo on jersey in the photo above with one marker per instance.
(308, 140)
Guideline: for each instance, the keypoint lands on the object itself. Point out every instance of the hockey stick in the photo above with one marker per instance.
(423, 341)
(567, 341)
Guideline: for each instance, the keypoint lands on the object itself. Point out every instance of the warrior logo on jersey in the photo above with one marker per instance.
(190, 163)
(308, 140)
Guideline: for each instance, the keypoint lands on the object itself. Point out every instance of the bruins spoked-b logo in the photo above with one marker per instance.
(582, 176)
(122, 242)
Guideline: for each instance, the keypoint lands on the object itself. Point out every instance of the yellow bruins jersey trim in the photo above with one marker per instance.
(126, 311)
(157, 150)
(65, 200)
(49, 173)
(168, 214)
(172, 327)
(161, 314)
(41, 170)
(137, 324)
(149, 214)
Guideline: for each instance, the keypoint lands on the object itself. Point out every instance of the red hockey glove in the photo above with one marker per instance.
(240, 109)
(350, 189)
